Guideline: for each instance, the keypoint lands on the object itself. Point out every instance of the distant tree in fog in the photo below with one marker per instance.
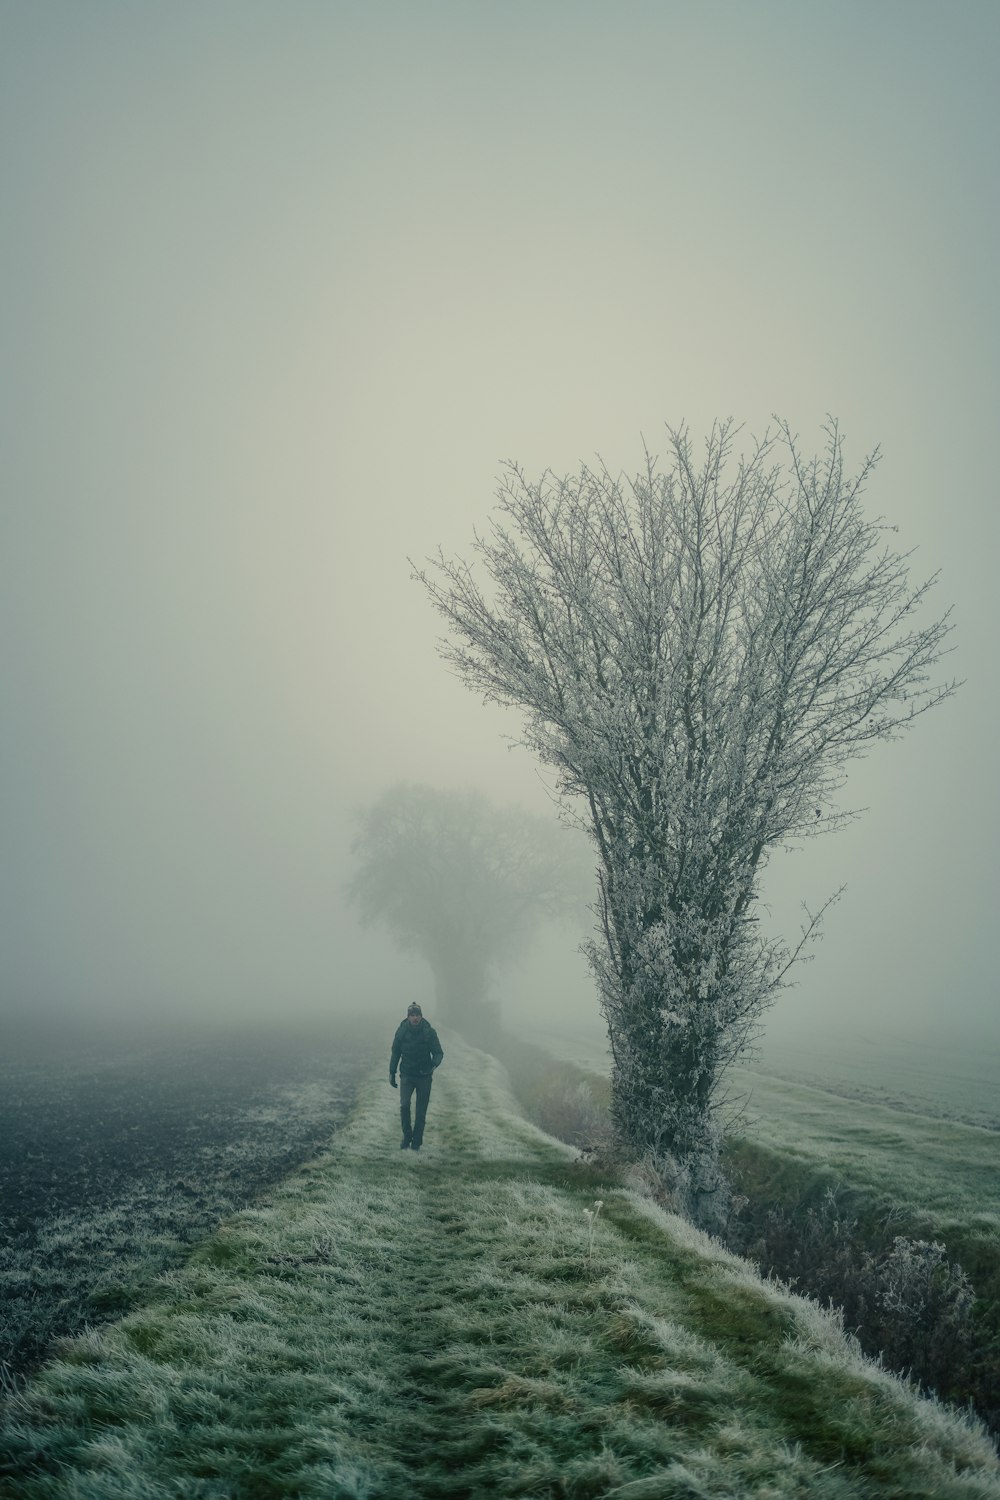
(464, 883)
(699, 651)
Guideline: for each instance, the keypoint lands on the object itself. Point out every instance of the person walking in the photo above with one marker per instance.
(416, 1052)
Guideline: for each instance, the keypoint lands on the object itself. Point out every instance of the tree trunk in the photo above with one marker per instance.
(461, 982)
(662, 1087)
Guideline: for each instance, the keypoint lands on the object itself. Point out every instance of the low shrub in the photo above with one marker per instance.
(903, 1297)
(569, 1105)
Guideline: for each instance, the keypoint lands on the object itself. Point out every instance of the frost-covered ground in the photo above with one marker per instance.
(945, 1169)
(873, 1111)
(952, 1074)
(115, 1157)
(831, 1169)
(485, 1319)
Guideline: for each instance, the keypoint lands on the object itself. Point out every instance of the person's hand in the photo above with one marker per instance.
(392, 1080)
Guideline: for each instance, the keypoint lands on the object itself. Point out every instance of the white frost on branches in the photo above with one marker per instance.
(698, 652)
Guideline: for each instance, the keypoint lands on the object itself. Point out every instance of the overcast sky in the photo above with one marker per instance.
(282, 284)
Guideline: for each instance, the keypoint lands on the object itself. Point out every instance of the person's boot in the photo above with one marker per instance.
(404, 1144)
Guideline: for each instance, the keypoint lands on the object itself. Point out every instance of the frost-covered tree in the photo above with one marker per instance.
(464, 883)
(699, 652)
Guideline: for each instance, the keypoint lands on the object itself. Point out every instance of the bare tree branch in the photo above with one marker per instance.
(698, 652)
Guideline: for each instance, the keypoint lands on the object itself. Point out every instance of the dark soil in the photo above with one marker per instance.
(115, 1159)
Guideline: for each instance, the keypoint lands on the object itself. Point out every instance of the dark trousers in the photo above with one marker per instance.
(420, 1086)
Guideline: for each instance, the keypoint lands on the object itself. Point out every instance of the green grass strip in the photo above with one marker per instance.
(943, 1169)
(454, 1324)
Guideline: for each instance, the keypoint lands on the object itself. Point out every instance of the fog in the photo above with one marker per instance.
(282, 285)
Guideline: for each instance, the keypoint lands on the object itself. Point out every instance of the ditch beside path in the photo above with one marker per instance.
(394, 1326)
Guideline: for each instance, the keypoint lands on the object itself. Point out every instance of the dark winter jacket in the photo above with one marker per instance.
(416, 1050)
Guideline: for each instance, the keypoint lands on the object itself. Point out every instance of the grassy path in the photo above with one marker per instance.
(444, 1325)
